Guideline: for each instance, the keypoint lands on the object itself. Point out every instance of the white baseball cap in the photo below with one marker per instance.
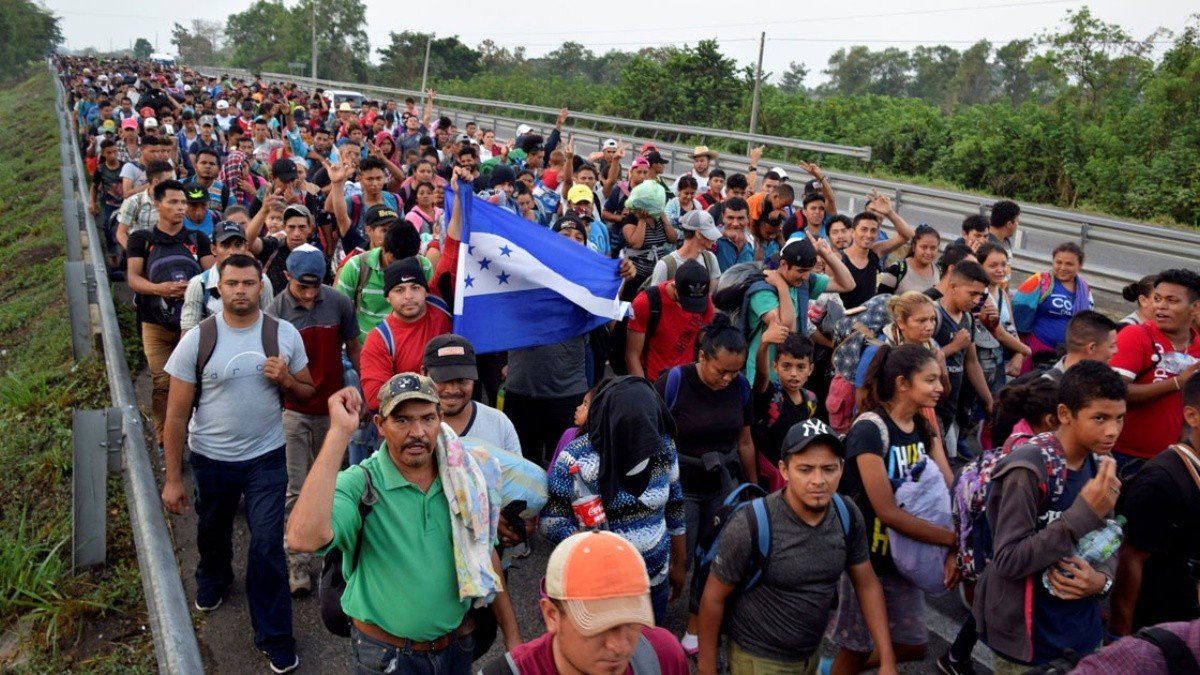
(524, 128)
(222, 105)
(609, 143)
(780, 172)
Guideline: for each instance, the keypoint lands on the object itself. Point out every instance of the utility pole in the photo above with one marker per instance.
(313, 4)
(757, 85)
(425, 70)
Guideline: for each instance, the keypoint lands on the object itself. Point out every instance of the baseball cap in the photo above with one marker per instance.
(380, 214)
(654, 157)
(222, 105)
(570, 222)
(780, 172)
(799, 251)
(206, 121)
(146, 111)
(601, 580)
(196, 194)
(699, 220)
(306, 264)
(226, 230)
(691, 284)
(129, 123)
(150, 123)
(642, 162)
(405, 387)
(450, 357)
(803, 433)
(404, 271)
(580, 193)
(523, 129)
(462, 138)
(609, 143)
(284, 170)
(647, 147)
(110, 125)
(297, 209)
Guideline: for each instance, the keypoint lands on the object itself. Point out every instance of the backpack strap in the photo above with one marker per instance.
(673, 266)
(204, 352)
(364, 273)
(645, 660)
(760, 535)
(874, 418)
(1179, 657)
(654, 299)
(1189, 461)
(746, 391)
(365, 504)
(671, 392)
(356, 208)
(843, 514)
(385, 332)
(434, 302)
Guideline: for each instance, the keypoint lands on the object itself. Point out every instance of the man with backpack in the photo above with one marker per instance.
(162, 260)
(1042, 498)
(230, 375)
(1160, 559)
(598, 616)
(700, 235)
(667, 318)
(364, 516)
(778, 560)
(202, 298)
(797, 258)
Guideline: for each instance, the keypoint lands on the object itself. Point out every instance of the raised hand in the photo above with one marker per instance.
(1102, 491)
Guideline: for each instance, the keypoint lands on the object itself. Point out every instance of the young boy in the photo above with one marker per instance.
(777, 626)
(1035, 528)
(1155, 578)
(974, 232)
(778, 406)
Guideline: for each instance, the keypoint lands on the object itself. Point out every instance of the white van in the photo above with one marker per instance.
(337, 96)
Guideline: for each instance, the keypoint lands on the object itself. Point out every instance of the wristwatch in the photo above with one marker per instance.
(1108, 584)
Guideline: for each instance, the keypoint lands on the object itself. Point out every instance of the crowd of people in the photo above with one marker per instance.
(821, 421)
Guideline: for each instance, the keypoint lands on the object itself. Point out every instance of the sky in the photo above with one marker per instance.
(801, 32)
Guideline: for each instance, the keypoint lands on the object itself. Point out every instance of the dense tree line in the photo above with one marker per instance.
(1085, 116)
(27, 32)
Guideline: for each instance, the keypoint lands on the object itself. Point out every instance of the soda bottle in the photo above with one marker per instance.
(589, 510)
(1095, 547)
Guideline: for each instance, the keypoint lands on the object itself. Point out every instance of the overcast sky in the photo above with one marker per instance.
(804, 32)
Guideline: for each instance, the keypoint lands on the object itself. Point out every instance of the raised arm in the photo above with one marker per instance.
(882, 204)
(840, 279)
(826, 189)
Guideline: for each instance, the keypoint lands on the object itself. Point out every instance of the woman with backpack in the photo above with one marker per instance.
(917, 272)
(884, 444)
(1025, 407)
(711, 403)
(1046, 301)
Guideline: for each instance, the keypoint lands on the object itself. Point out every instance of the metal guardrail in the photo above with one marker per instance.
(630, 126)
(1128, 249)
(169, 614)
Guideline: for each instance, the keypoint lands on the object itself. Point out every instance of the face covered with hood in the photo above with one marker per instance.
(627, 421)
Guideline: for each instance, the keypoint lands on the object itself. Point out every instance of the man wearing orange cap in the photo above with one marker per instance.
(598, 616)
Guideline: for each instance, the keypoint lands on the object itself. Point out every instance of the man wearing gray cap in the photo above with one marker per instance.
(700, 235)
(326, 321)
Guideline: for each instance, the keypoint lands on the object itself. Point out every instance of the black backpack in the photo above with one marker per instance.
(333, 582)
(172, 261)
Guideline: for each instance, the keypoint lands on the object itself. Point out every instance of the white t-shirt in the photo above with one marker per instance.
(240, 415)
(493, 426)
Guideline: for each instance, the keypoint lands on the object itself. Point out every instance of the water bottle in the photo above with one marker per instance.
(1095, 547)
(1176, 362)
(589, 510)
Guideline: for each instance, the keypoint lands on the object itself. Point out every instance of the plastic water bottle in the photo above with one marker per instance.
(1095, 547)
(589, 510)
(1176, 362)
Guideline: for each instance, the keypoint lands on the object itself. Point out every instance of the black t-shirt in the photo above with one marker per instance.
(866, 280)
(775, 413)
(1162, 511)
(904, 449)
(140, 243)
(707, 421)
(274, 259)
(943, 335)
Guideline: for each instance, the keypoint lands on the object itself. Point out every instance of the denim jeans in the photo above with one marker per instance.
(219, 487)
(372, 656)
(659, 596)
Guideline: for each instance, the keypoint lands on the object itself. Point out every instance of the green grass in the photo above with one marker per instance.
(88, 622)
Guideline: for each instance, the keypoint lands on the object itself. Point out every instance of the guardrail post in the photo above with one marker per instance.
(897, 198)
(115, 438)
(89, 440)
(70, 210)
(77, 310)
(1084, 231)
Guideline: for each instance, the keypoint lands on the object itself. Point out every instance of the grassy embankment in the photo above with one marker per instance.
(50, 618)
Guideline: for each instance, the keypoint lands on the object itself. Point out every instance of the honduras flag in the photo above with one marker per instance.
(521, 285)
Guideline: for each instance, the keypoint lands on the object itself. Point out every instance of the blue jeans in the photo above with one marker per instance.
(659, 595)
(219, 487)
(372, 656)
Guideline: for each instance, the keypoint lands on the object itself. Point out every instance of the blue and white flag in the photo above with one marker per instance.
(521, 285)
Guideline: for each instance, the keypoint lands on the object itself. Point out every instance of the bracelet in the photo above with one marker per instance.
(752, 169)
(1177, 386)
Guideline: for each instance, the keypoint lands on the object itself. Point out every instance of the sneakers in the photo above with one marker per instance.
(691, 644)
(299, 580)
(283, 662)
(207, 605)
(947, 666)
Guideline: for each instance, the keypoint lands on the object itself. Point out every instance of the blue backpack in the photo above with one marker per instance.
(747, 495)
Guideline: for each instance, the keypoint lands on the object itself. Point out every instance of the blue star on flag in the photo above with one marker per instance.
(505, 250)
(503, 277)
(483, 264)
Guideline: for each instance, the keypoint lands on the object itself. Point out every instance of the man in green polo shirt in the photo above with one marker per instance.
(403, 593)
